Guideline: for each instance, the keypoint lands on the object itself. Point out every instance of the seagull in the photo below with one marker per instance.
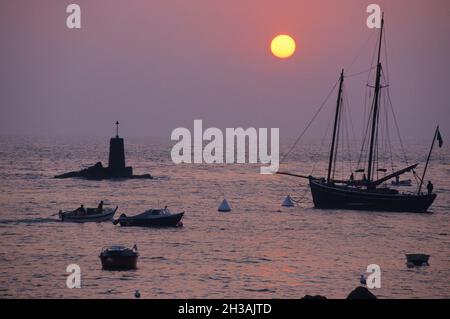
(137, 294)
(362, 280)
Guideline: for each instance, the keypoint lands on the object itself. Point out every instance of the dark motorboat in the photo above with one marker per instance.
(119, 258)
(152, 218)
(417, 260)
(88, 215)
(369, 192)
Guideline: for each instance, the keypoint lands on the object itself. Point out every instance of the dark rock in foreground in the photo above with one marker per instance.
(314, 297)
(361, 293)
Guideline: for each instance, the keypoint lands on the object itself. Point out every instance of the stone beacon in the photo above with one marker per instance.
(116, 164)
(116, 169)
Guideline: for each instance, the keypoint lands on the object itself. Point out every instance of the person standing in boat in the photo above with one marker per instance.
(100, 206)
(430, 187)
(81, 211)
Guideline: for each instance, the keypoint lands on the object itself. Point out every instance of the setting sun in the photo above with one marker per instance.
(282, 46)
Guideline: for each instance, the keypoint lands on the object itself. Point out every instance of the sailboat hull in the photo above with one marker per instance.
(343, 197)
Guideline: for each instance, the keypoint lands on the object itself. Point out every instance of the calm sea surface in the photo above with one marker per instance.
(259, 250)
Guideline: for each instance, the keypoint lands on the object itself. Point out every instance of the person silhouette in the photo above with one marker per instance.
(430, 187)
(81, 211)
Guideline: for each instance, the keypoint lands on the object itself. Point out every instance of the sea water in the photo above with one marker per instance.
(259, 250)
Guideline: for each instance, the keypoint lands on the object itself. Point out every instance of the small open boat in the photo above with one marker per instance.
(405, 182)
(417, 260)
(152, 218)
(119, 258)
(88, 215)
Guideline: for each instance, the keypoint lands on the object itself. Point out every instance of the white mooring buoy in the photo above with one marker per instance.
(224, 206)
(288, 202)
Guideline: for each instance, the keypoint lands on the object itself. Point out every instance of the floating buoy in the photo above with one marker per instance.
(224, 206)
(288, 202)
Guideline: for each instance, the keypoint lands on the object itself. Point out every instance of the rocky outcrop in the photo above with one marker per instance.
(99, 172)
(115, 170)
(314, 297)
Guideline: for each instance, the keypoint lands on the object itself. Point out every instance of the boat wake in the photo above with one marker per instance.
(29, 221)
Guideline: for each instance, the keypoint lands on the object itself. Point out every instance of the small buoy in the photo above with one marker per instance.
(137, 294)
(224, 206)
(288, 202)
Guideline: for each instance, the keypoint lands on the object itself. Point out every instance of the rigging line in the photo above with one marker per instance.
(416, 177)
(367, 102)
(324, 139)
(346, 139)
(366, 137)
(322, 142)
(337, 141)
(389, 135)
(377, 138)
(373, 62)
(397, 127)
(367, 97)
(360, 51)
(300, 200)
(386, 56)
(349, 149)
(389, 144)
(348, 122)
(345, 135)
(383, 132)
(359, 73)
(346, 99)
(387, 149)
(366, 93)
(310, 122)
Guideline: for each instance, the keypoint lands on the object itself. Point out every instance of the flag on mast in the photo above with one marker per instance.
(439, 138)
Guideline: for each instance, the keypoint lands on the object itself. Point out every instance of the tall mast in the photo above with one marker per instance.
(375, 107)
(428, 160)
(336, 119)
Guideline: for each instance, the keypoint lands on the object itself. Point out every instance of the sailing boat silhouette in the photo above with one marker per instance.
(368, 192)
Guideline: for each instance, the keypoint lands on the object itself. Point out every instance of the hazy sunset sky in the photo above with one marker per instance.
(157, 65)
